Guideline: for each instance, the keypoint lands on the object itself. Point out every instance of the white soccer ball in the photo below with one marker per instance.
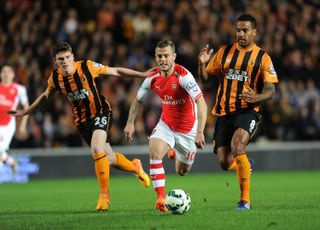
(178, 201)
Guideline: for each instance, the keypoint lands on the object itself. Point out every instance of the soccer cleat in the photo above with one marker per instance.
(160, 205)
(103, 202)
(251, 161)
(243, 206)
(171, 154)
(140, 174)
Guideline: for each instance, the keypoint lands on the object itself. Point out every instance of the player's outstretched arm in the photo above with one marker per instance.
(202, 118)
(125, 72)
(203, 58)
(40, 101)
(129, 129)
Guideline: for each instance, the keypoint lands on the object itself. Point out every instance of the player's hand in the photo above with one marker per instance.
(146, 73)
(204, 55)
(249, 96)
(17, 113)
(200, 142)
(128, 132)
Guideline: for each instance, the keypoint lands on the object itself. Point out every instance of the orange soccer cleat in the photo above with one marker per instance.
(160, 205)
(140, 173)
(171, 154)
(103, 202)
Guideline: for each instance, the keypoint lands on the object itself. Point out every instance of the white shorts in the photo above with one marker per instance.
(183, 143)
(6, 134)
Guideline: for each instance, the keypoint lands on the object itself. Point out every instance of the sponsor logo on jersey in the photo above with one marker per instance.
(169, 100)
(4, 101)
(78, 95)
(237, 75)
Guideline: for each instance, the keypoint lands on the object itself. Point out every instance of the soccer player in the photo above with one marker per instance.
(92, 114)
(182, 122)
(247, 78)
(11, 95)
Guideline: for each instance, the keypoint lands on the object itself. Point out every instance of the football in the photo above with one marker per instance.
(178, 201)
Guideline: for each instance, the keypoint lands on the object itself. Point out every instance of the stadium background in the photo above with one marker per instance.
(124, 33)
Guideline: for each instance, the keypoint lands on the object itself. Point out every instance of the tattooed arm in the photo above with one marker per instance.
(267, 93)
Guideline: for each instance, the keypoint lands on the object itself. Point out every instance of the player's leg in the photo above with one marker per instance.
(6, 135)
(222, 140)
(102, 169)
(238, 148)
(119, 161)
(185, 150)
(246, 124)
(226, 159)
(157, 149)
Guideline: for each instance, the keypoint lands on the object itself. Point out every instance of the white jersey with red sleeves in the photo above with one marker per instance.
(10, 97)
(178, 93)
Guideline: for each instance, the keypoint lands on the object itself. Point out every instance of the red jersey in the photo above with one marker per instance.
(10, 97)
(178, 93)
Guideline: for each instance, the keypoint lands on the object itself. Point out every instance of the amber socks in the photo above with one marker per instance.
(243, 172)
(102, 171)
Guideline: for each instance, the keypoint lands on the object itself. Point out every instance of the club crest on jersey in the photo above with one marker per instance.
(251, 62)
(174, 85)
(12, 91)
(83, 79)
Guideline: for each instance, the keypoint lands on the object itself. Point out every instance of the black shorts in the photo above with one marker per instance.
(103, 122)
(226, 126)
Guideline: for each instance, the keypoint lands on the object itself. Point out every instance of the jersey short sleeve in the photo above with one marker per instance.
(267, 70)
(22, 95)
(190, 85)
(96, 69)
(214, 67)
(144, 89)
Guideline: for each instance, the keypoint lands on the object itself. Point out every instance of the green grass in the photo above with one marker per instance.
(282, 200)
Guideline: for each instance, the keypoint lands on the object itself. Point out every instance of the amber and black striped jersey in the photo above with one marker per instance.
(81, 90)
(240, 69)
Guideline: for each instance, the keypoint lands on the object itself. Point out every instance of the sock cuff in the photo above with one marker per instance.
(98, 156)
(155, 161)
(241, 156)
(118, 155)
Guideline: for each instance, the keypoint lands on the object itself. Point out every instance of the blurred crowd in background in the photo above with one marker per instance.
(124, 33)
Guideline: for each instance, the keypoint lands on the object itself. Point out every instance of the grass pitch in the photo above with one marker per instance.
(281, 200)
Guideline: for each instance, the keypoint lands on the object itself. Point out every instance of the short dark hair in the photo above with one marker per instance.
(60, 47)
(248, 17)
(165, 43)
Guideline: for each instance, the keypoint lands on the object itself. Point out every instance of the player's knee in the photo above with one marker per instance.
(155, 155)
(95, 150)
(238, 147)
